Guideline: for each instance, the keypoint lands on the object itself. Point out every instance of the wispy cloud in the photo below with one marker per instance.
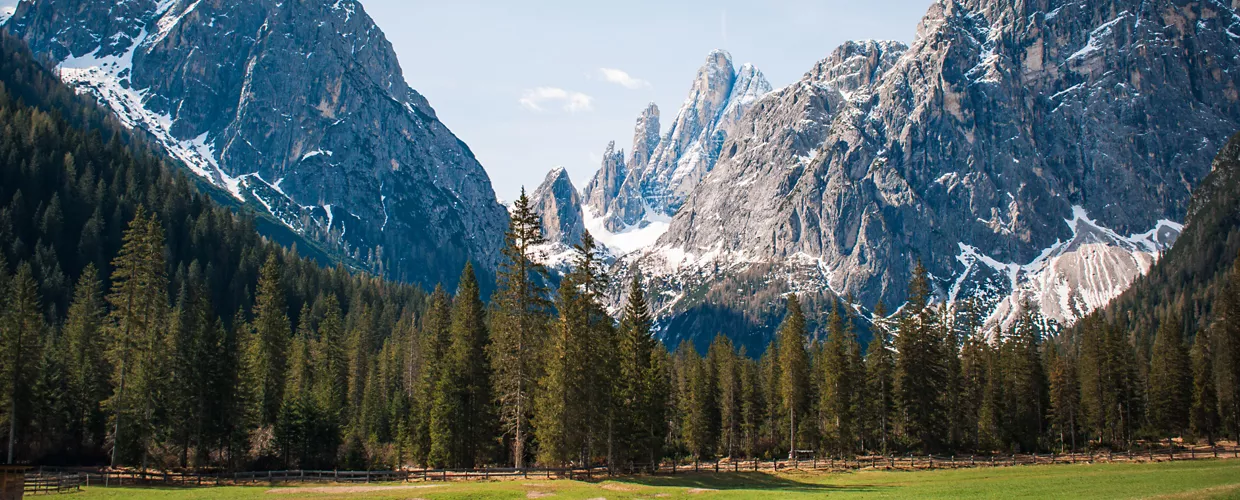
(622, 78)
(538, 99)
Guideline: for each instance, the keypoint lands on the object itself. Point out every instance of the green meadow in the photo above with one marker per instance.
(1186, 479)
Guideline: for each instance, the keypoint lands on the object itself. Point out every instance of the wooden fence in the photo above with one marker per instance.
(43, 479)
(43, 483)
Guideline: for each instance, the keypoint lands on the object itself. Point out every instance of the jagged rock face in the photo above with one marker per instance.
(556, 200)
(662, 174)
(998, 120)
(298, 106)
(605, 185)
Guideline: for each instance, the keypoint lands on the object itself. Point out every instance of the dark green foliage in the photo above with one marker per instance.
(1169, 397)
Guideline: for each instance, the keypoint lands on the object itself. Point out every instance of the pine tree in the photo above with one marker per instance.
(434, 339)
(460, 420)
(793, 372)
(271, 327)
(973, 368)
(730, 397)
(921, 374)
(1064, 396)
(879, 371)
(1024, 381)
(22, 334)
(575, 404)
(641, 393)
(520, 326)
(838, 386)
(1204, 413)
(1227, 354)
(87, 383)
(136, 324)
(1169, 398)
(331, 369)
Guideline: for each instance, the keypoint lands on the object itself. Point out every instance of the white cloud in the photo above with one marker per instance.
(622, 78)
(536, 99)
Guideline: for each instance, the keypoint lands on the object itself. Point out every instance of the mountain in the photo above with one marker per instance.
(557, 201)
(298, 108)
(662, 171)
(1192, 274)
(1003, 131)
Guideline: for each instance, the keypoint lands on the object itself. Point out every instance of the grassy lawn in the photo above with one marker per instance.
(1188, 479)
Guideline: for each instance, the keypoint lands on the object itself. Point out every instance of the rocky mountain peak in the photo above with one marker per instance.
(297, 109)
(664, 170)
(645, 136)
(980, 150)
(557, 201)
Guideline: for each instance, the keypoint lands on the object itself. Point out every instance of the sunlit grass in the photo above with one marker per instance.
(1187, 479)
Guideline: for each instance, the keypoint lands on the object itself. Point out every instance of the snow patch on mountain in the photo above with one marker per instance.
(630, 239)
(1068, 280)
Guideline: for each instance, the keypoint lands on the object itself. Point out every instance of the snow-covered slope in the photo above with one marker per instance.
(986, 131)
(297, 108)
(1068, 280)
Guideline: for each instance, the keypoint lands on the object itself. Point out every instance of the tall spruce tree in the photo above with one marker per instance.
(520, 328)
(921, 374)
(1064, 396)
(641, 395)
(136, 325)
(87, 385)
(1227, 354)
(1204, 413)
(793, 361)
(435, 339)
(272, 337)
(1169, 398)
(461, 419)
(879, 372)
(727, 368)
(22, 336)
(838, 391)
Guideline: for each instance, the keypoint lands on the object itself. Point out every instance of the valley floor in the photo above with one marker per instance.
(1187, 479)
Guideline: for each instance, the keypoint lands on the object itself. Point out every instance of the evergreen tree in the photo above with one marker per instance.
(331, 380)
(87, 384)
(972, 382)
(920, 374)
(1169, 398)
(1024, 381)
(1204, 412)
(880, 371)
(272, 336)
(793, 379)
(21, 336)
(641, 393)
(520, 325)
(1064, 396)
(1227, 354)
(729, 395)
(136, 325)
(460, 419)
(435, 339)
(838, 386)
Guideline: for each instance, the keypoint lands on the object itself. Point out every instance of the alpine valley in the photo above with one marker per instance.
(355, 161)
(1030, 153)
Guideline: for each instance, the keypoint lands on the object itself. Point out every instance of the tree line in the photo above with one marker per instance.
(144, 325)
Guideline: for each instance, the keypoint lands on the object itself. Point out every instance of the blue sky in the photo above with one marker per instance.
(537, 84)
(523, 83)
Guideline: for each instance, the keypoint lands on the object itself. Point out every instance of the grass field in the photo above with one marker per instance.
(1187, 479)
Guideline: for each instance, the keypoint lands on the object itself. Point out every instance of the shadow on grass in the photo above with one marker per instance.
(743, 481)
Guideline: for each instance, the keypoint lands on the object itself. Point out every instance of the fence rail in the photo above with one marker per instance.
(40, 483)
(60, 480)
